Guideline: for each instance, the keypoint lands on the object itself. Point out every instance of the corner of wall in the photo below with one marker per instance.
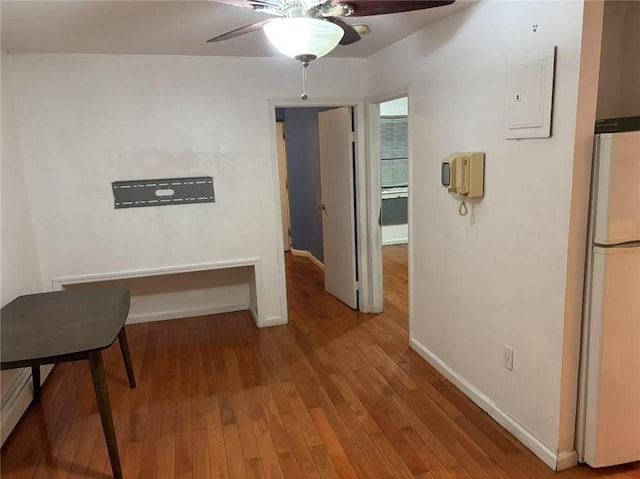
(19, 259)
(18, 233)
(577, 236)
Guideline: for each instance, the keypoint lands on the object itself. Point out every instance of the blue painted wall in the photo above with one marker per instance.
(303, 168)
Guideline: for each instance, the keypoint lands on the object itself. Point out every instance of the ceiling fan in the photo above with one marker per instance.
(309, 29)
(319, 19)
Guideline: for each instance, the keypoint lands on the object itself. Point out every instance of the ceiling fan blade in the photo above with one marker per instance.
(364, 8)
(351, 35)
(240, 31)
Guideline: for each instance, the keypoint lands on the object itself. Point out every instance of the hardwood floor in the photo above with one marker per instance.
(334, 394)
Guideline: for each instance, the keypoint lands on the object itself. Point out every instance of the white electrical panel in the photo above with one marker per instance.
(529, 96)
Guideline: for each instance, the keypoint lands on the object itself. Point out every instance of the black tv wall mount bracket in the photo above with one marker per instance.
(163, 192)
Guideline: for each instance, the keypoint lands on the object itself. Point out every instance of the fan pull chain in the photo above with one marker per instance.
(304, 80)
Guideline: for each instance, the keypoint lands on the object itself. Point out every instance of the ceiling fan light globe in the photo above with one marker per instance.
(303, 36)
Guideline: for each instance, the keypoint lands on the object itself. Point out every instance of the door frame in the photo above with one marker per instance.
(284, 180)
(362, 173)
(374, 200)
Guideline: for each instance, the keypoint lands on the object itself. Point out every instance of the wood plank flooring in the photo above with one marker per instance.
(335, 394)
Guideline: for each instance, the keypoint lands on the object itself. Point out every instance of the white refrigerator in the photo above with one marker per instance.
(608, 422)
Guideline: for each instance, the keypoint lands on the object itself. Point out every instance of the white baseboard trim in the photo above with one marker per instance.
(184, 313)
(307, 254)
(268, 322)
(271, 321)
(395, 234)
(21, 397)
(567, 460)
(392, 241)
(546, 455)
(254, 315)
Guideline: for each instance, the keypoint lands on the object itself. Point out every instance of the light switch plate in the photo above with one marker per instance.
(528, 103)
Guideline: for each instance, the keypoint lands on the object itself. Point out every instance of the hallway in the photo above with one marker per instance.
(336, 393)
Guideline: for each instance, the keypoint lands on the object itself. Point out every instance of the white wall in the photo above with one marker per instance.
(87, 120)
(618, 92)
(498, 276)
(20, 270)
(19, 257)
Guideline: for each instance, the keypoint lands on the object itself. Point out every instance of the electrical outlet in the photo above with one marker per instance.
(507, 358)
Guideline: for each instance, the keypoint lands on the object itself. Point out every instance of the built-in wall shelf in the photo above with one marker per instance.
(172, 292)
(60, 282)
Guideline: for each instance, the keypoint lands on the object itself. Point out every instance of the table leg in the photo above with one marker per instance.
(102, 398)
(35, 374)
(124, 347)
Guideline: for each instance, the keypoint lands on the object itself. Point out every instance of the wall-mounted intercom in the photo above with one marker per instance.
(463, 175)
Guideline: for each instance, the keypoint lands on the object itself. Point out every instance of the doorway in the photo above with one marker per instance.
(394, 171)
(394, 199)
(317, 162)
(365, 219)
(390, 113)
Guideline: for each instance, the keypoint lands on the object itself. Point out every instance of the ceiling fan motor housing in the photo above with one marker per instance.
(305, 58)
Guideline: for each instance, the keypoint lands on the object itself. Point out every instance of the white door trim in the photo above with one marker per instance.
(362, 173)
(374, 202)
(284, 181)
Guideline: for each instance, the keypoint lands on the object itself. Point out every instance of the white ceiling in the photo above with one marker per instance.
(172, 28)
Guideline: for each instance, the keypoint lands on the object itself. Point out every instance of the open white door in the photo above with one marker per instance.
(338, 219)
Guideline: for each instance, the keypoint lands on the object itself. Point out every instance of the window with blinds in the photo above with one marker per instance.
(394, 152)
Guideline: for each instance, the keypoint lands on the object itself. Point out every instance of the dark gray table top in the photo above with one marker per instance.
(49, 326)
